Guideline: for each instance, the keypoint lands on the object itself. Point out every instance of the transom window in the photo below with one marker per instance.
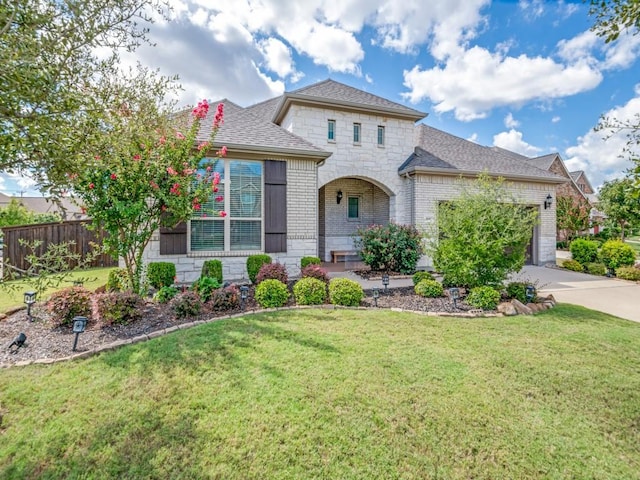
(356, 132)
(380, 135)
(240, 196)
(331, 130)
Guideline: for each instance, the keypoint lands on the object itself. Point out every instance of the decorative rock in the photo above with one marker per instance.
(2, 316)
(551, 299)
(521, 308)
(507, 309)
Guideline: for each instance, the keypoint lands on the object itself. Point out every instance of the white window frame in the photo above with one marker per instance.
(331, 130)
(357, 133)
(381, 136)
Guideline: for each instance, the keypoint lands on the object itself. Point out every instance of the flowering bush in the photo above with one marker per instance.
(152, 175)
(67, 303)
(391, 248)
(119, 308)
(275, 271)
(315, 271)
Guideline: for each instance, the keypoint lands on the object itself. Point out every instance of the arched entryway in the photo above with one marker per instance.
(344, 206)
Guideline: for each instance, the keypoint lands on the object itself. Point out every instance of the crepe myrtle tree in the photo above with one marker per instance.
(148, 178)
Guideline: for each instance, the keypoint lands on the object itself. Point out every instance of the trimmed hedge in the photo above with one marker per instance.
(306, 261)
(161, 274)
(345, 292)
(310, 291)
(573, 265)
(429, 288)
(271, 293)
(254, 262)
(212, 269)
(486, 298)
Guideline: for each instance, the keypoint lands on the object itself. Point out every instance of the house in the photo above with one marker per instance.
(305, 170)
(64, 207)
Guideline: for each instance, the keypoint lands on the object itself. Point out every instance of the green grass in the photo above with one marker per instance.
(339, 394)
(634, 242)
(10, 298)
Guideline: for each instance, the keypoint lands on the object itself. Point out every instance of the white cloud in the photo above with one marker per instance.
(511, 122)
(531, 9)
(477, 80)
(622, 53)
(512, 140)
(555, 119)
(578, 48)
(277, 57)
(473, 138)
(604, 159)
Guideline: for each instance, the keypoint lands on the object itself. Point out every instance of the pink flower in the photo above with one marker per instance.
(217, 120)
(162, 140)
(223, 213)
(97, 157)
(222, 152)
(154, 184)
(196, 206)
(201, 110)
(203, 146)
(113, 176)
(216, 178)
(163, 208)
(179, 135)
(136, 158)
(219, 198)
(91, 186)
(72, 176)
(175, 189)
(187, 171)
(171, 171)
(83, 210)
(215, 189)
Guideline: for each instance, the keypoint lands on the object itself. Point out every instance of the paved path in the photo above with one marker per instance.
(610, 295)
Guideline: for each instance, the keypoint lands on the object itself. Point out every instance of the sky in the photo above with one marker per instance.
(527, 75)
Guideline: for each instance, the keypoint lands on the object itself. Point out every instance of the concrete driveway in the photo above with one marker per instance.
(610, 295)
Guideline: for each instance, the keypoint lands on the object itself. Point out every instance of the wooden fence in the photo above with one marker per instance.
(14, 253)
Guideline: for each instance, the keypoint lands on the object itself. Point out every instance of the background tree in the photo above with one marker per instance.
(481, 235)
(619, 204)
(613, 18)
(17, 214)
(572, 217)
(55, 91)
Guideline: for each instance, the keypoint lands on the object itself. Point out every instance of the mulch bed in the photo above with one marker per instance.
(47, 342)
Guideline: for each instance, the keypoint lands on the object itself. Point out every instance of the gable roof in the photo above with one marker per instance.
(340, 96)
(544, 161)
(580, 174)
(245, 130)
(443, 153)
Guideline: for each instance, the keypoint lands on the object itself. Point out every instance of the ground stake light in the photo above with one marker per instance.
(244, 293)
(529, 292)
(376, 294)
(29, 300)
(454, 293)
(79, 324)
(385, 282)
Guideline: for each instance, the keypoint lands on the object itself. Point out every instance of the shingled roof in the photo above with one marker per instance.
(441, 152)
(245, 130)
(338, 95)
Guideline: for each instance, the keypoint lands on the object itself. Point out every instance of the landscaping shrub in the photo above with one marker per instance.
(254, 262)
(119, 308)
(67, 303)
(517, 290)
(161, 274)
(571, 264)
(117, 280)
(272, 271)
(419, 276)
(165, 294)
(205, 286)
(486, 298)
(225, 299)
(310, 291)
(628, 273)
(186, 304)
(213, 269)
(315, 271)
(616, 253)
(584, 251)
(271, 293)
(595, 268)
(390, 248)
(345, 292)
(306, 261)
(429, 288)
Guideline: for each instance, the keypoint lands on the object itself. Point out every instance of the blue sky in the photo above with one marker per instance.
(528, 76)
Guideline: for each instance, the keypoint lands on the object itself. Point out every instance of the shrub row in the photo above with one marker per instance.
(593, 257)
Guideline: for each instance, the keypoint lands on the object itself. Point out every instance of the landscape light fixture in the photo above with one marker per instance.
(376, 294)
(17, 342)
(454, 293)
(78, 283)
(385, 281)
(79, 324)
(339, 197)
(529, 292)
(29, 300)
(244, 293)
(548, 201)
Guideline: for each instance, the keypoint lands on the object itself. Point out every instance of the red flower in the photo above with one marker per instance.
(215, 189)
(219, 198)
(91, 186)
(136, 158)
(223, 214)
(113, 176)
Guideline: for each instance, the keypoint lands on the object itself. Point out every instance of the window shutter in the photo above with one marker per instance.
(275, 206)
(173, 240)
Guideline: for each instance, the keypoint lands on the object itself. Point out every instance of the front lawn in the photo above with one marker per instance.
(339, 394)
(92, 277)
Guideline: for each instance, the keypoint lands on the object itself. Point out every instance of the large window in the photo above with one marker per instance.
(353, 212)
(240, 196)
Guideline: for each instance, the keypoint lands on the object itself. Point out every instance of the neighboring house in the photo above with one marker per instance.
(64, 207)
(305, 170)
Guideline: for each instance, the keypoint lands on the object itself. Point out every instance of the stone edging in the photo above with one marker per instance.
(184, 326)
